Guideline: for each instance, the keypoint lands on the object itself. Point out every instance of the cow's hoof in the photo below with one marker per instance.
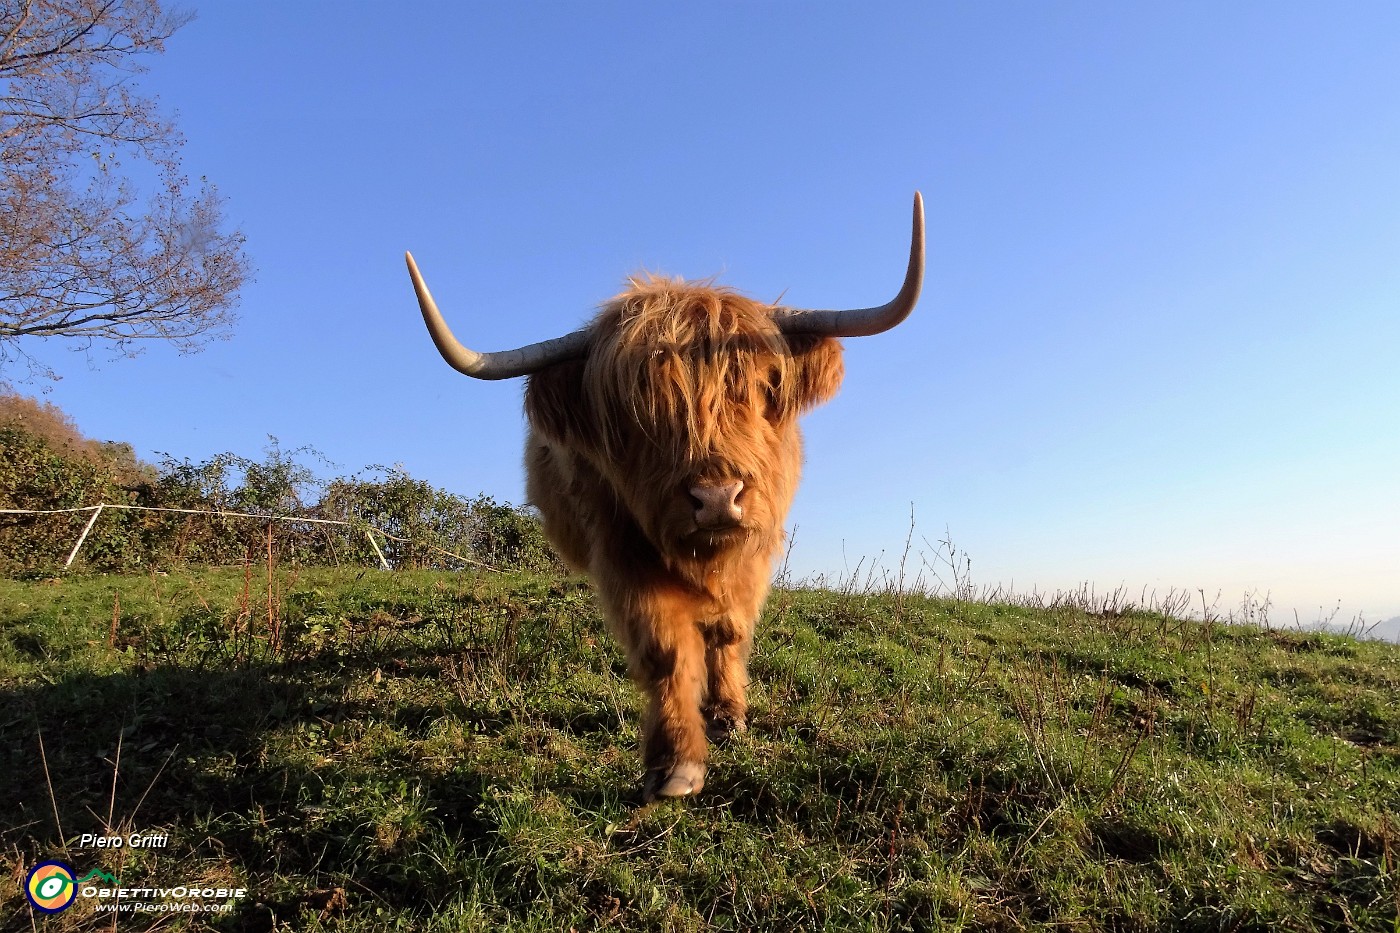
(680, 780)
(721, 728)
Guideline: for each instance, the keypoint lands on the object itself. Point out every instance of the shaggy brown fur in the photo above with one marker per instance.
(684, 384)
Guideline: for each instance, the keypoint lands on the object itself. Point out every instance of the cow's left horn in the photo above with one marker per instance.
(504, 364)
(862, 322)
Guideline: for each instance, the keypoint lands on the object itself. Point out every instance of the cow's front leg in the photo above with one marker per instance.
(726, 659)
(657, 622)
(673, 731)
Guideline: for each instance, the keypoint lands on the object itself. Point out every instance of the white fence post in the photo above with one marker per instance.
(382, 562)
(83, 537)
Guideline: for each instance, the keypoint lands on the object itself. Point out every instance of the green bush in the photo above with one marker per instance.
(35, 475)
(426, 528)
(46, 464)
(276, 485)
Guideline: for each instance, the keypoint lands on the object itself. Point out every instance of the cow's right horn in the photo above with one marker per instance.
(862, 322)
(503, 364)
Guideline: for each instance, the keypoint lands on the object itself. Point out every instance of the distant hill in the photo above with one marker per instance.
(1388, 629)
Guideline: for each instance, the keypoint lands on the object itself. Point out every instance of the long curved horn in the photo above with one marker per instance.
(862, 322)
(504, 364)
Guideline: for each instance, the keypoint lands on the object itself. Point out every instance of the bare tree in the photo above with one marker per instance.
(83, 257)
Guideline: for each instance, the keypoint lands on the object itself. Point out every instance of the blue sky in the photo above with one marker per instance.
(1158, 340)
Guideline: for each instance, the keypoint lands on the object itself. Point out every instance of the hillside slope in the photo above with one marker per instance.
(456, 752)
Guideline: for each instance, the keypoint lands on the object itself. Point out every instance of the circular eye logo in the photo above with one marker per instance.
(50, 887)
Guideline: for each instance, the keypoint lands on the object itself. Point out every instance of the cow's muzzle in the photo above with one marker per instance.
(717, 505)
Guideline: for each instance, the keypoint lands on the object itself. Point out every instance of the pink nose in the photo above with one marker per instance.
(718, 504)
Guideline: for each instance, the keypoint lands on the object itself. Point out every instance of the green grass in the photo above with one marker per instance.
(457, 752)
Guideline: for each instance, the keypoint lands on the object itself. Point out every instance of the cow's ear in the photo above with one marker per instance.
(816, 369)
(558, 407)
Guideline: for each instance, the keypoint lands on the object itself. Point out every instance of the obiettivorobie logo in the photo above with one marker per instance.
(52, 887)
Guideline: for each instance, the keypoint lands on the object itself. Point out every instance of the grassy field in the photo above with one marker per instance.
(362, 750)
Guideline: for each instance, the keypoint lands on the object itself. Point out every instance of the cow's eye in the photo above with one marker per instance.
(772, 396)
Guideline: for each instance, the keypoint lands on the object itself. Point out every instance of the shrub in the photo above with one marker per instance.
(45, 463)
(35, 475)
(428, 528)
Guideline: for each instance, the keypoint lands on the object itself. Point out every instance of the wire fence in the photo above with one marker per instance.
(369, 530)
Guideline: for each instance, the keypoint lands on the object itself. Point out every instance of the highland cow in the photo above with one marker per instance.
(663, 455)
